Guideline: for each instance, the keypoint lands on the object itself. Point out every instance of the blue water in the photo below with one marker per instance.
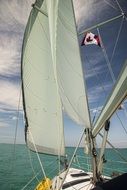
(16, 170)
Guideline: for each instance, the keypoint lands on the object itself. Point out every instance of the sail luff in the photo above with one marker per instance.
(117, 96)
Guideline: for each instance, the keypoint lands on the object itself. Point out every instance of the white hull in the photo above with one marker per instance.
(76, 179)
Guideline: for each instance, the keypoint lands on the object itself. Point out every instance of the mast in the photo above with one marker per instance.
(103, 146)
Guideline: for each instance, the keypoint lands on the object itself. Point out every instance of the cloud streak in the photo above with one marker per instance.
(9, 96)
(16, 14)
(89, 10)
(10, 56)
(12, 26)
(97, 92)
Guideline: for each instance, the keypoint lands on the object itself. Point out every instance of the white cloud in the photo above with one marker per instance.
(9, 56)
(12, 25)
(3, 124)
(92, 72)
(13, 18)
(9, 96)
(14, 118)
(96, 92)
(96, 110)
(16, 14)
(7, 134)
(86, 10)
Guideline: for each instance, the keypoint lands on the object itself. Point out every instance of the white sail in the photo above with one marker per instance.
(42, 103)
(52, 72)
(67, 61)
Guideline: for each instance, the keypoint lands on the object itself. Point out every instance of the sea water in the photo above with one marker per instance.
(19, 166)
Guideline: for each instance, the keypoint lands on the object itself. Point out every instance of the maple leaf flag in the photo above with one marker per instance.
(90, 38)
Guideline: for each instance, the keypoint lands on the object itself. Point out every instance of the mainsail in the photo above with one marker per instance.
(52, 76)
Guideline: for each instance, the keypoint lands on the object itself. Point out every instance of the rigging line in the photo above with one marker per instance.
(112, 54)
(121, 123)
(106, 58)
(110, 4)
(32, 165)
(42, 168)
(100, 24)
(123, 107)
(30, 181)
(111, 68)
(117, 39)
(74, 153)
(111, 169)
(60, 133)
(16, 126)
(121, 156)
(92, 68)
(117, 161)
(17, 117)
(114, 147)
(125, 111)
(120, 7)
(53, 170)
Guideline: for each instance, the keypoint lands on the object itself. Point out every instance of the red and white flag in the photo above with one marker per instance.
(90, 38)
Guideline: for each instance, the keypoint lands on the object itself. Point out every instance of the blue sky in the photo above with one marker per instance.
(13, 18)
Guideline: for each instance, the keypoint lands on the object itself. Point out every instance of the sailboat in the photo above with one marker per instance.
(53, 83)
